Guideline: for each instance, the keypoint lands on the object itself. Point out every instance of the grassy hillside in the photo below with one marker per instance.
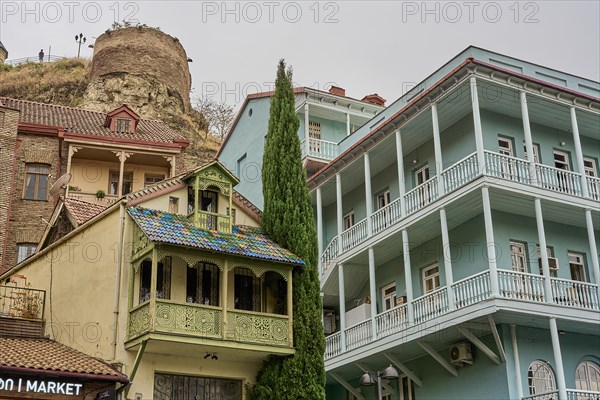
(64, 82)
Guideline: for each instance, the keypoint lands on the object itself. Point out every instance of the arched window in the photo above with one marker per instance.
(587, 376)
(541, 378)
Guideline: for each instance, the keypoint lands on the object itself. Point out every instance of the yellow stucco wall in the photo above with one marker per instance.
(93, 175)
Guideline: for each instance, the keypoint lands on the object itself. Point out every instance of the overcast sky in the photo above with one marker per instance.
(363, 46)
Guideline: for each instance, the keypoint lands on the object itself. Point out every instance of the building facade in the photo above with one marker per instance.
(458, 232)
(176, 283)
(106, 154)
(458, 238)
(326, 119)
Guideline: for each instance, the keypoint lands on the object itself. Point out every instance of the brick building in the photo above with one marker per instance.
(107, 154)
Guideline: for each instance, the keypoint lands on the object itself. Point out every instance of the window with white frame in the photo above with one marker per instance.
(383, 199)
(431, 278)
(577, 267)
(314, 135)
(561, 160)
(589, 165)
(388, 296)
(536, 152)
(422, 175)
(587, 376)
(552, 262)
(25, 250)
(540, 378)
(152, 179)
(518, 256)
(505, 146)
(349, 220)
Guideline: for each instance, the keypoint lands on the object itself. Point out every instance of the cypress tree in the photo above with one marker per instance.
(288, 218)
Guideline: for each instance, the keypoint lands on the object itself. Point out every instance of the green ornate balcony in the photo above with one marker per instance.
(207, 322)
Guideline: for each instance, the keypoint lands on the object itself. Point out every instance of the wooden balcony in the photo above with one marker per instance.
(208, 322)
(459, 174)
(514, 286)
(319, 149)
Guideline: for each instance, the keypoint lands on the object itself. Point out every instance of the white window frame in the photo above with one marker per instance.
(536, 152)
(25, 250)
(540, 378)
(348, 220)
(426, 278)
(577, 259)
(567, 161)
(424, 173)
(589, 166)
(314, 136)
(506, 146)
(519, 255)
(550, 253)
(383, 199)
(391, 296)
(587, 369)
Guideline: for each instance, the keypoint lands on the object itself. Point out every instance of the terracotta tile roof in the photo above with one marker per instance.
(82, 211)
(47, 355)
(246, 241)
(77, 120)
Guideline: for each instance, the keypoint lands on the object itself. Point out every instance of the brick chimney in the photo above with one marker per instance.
(338, 91)
(374, 99)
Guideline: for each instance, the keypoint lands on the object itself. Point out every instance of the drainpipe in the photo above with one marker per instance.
(118, 269)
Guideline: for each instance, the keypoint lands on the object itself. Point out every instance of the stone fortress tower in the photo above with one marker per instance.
(143, 68)
(3, 53)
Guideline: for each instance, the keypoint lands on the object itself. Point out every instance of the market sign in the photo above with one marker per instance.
(39, 386)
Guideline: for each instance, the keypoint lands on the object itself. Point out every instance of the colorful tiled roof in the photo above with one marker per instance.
(82, 211)
(48, 355)
(246, 241)
(88, 122)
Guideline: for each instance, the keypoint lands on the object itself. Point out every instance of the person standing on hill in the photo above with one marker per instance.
(41, 55)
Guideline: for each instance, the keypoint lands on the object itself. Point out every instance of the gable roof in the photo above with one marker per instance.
(245, 241)
(77, 122)
(82, 211)
(47, 356)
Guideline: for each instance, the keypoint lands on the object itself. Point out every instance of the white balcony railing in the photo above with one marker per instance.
(391, 321)
(460, 173)
(431, 305)
(422, 195)
(521, 285)
(472, 289)
(513, 285)
(358, 335)
(575, 394)
(593, 185)
(333, 345)
(574, 293)
(330, 253)
(559, 180)
(507, 167)
(553, 395)
(354, 235)
(386, 216)
(321, 149)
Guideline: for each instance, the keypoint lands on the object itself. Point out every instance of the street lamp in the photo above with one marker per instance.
(368, 378)
(80, 39)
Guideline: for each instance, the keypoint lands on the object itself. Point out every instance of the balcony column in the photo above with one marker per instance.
(489, 238)
(122, 157)
(224, 284)
(437, 148)
(131, 285)
(592, 240)
(408, 277)
(528, 138)
(560, 373)
(517, 362)
(400, 160)
(340, 213)
(579, 153)
(290, 305)
(447, 260)
(153, 280)
(348, 124)
(539, 220)
(368, 194)
(373, 293)
(477, 126)
(342, 301)
(306, 130)
(71, 153)
(320, 228)
(172, 162)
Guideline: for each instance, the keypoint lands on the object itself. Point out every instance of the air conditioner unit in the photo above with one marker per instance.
(552, 263)
(461, 354)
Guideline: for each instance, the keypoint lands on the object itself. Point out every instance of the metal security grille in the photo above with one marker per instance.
(177, 387)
